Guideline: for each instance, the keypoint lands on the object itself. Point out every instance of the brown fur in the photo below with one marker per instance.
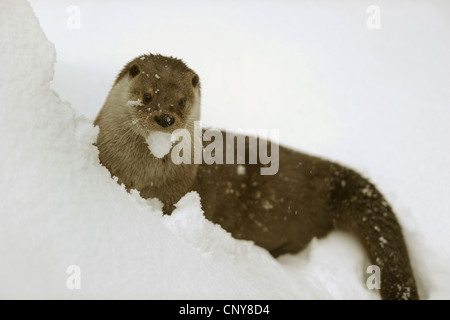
(307, 198)
(121, 143)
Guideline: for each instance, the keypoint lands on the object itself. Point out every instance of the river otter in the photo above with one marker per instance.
(308, 197)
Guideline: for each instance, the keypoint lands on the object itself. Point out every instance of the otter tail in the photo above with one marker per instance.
(361, 209)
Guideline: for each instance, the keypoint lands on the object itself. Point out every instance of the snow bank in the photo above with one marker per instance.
(60, 207)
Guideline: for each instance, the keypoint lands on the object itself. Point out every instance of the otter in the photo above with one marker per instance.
(308, 197)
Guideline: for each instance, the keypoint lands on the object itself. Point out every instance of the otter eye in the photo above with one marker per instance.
(182, 103)
(147, 98)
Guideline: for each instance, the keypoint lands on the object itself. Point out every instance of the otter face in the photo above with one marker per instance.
(164, 94)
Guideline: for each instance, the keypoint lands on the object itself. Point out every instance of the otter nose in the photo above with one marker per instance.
(164, 120)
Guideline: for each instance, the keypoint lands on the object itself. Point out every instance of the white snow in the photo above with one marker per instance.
(134, 103)
(376, 100)
(159, 143)
(240, 170)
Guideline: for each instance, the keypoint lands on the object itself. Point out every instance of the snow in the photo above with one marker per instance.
(376, 100)
(134, 103)
(159, 143)
(240, 170)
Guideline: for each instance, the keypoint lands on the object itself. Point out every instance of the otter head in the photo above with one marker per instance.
(163, 94)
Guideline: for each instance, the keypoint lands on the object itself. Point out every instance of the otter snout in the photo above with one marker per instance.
(165, 120)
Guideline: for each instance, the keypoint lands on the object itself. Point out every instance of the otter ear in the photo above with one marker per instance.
(134, 70)
(195, 81)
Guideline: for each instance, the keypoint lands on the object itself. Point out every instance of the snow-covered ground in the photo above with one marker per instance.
(376, 100)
